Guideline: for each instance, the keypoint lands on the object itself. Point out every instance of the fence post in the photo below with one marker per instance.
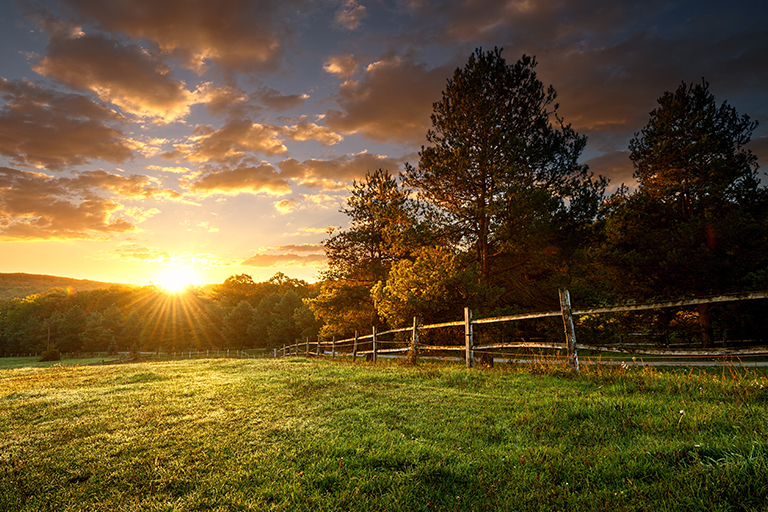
(374, 344)
(333, 347)
(415, 341)
(468, 336)
(570, 330)
(306, 340)
(354, 348)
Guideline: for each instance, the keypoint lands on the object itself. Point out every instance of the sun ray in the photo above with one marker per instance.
(177, 279)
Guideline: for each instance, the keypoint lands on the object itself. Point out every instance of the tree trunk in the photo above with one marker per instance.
(705, 325)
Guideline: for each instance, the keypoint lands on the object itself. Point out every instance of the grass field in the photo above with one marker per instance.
(300, 434)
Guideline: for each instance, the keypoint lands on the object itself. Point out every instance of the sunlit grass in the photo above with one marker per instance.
(299, 434)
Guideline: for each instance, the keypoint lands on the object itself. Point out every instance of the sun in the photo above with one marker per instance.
(177, 279)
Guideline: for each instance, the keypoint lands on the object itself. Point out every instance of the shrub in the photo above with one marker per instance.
(52, 354)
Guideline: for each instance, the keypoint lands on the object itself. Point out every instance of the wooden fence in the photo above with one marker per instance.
(352, 346)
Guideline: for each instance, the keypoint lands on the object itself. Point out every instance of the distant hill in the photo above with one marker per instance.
(23, 285)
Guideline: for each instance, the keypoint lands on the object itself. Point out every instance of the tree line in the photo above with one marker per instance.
(497, 215)
(237, 314)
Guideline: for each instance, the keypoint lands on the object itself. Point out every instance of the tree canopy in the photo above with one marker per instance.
(502, 167)
(697, 222)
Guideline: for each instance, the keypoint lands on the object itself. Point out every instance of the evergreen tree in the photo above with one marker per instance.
(503, 169)
(697, 223)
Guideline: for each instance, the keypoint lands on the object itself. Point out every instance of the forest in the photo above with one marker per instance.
(497, 215)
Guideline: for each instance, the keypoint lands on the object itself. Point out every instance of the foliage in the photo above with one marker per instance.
(52, 354)
(235, 327)
(19, 285)
(149, 319)
(302, 435)
(434, 287)
(503, 169)
(697, 222)
(383, 230)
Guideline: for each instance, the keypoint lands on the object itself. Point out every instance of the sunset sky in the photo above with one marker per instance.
(139, 136)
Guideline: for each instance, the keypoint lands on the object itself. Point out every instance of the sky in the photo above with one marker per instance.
(142, 137)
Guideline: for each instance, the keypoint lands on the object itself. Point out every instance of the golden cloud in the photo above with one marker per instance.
(305, 130)
(286, 206)
(230, 143)
(130, 251)
(174, 170)
(123, 74)
(317, 248)
(343, 66)
(263, 179)
(135, 186)
(336, 173)
(34, 205)
(284, 260)
(46, 128)
(222, 100)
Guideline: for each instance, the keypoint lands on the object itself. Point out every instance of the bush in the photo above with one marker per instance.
(52, 354)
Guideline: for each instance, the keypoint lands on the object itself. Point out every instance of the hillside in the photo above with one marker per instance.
(19, 285)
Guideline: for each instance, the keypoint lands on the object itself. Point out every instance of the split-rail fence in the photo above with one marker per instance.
(375, 347)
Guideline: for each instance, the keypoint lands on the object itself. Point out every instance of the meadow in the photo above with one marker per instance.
(306, 434)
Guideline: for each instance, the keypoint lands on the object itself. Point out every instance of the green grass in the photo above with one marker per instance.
(300, 434)
(8, 363)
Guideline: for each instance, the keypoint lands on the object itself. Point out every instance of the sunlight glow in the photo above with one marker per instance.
(177, 279)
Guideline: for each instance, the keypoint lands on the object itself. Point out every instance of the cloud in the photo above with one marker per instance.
(305, 130)
(275, 100)
(123, 74)
(263, 179)
(235, 35)
(344, 66)
(284, 260)
(224, 100)
(174, 170)
(315, 248)
(335, 173)
(759, 147)
(609, 61)
(616, 166)
(286, 206)
(350, 15)
(136, 252)
(392, 101)
(135, 186)
(129, 251)
(35, 206)
(47, 128)
(230, 143)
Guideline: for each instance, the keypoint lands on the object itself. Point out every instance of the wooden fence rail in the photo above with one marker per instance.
(566, 312)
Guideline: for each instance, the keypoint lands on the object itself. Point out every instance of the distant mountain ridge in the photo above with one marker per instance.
(20, 285)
